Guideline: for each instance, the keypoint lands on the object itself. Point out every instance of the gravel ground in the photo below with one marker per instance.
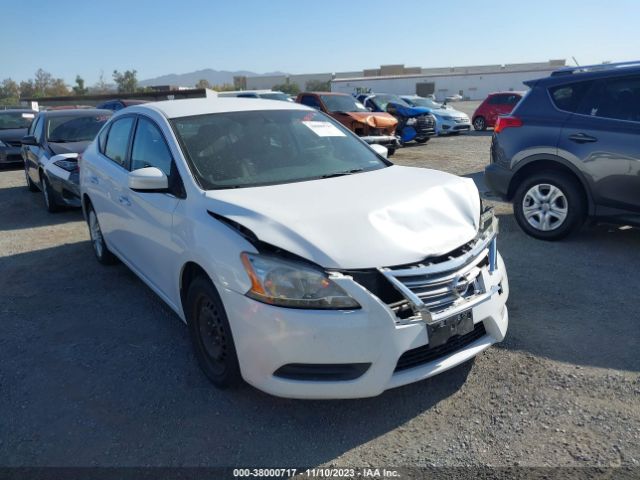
(96, 371)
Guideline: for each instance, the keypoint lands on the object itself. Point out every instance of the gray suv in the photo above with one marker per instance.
(571, 150)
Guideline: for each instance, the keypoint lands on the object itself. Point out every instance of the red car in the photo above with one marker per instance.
(501, 103)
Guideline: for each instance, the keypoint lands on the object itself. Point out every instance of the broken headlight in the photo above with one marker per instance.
(293, 284)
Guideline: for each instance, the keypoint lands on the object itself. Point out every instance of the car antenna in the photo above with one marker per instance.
(576, 61)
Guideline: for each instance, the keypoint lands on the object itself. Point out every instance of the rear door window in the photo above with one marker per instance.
(310, 101)
(118, 140)
(615, 98)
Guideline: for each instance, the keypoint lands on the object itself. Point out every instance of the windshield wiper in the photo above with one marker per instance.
(341, 174)
(60, 140)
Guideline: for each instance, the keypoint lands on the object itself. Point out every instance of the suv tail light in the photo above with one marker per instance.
(507, 122)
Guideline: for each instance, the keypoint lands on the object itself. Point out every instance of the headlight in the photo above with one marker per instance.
(412, 121)
(68, 165)
(291, 284)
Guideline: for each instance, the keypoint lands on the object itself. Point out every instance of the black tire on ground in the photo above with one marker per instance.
(391, 151)
(211, 334)
(480, 124)
(100, 249)
(423, 140)
(48, 196)
(30, 185)
(572, 200)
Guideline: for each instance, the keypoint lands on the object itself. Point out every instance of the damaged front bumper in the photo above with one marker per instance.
(301, 353)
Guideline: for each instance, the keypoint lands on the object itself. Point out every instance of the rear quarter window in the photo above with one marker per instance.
(569, 97)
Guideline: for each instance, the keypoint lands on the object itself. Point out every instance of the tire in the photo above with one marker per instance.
(423, 140)
(391, 151)
(48, 196)
(30, 185)
(211, 334)
(102, 252)
(479, 124)
(549, 205)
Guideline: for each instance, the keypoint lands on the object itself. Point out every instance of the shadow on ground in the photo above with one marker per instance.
(94, 369)
(574, 301)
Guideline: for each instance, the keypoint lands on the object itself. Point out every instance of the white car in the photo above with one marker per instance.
(448, 120)
(301, 259)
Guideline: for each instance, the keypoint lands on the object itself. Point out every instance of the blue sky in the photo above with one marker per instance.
(69, 37)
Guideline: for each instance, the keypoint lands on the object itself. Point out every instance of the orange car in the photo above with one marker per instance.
(372, 127)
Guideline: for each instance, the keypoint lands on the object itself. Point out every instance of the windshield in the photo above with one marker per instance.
(9, 120)
(423, 102)
(275, 96)
(64, 129)
(342, 103)
(248, 149)
(381, 101)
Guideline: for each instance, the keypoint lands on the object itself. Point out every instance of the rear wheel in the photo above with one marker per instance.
(211, 334)
(549, 205)
(480, 124)
(49, 197)
(30, 185)
(103, 254)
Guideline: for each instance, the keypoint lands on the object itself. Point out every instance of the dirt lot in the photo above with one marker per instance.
(95, 370)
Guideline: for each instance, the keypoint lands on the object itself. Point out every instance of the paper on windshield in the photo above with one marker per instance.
(28, 115)
(324, 129)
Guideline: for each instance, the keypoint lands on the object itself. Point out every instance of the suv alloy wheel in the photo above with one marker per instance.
(549, 205)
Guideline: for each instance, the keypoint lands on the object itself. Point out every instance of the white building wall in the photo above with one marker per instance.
(474, 87)
(265, 83)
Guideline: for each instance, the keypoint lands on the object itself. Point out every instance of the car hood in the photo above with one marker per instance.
(387, 217)
(71, 147)
(12, 134)
(374, 119)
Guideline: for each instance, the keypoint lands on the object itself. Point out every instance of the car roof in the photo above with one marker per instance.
(80, 112)
(202, 106)
(588, 72)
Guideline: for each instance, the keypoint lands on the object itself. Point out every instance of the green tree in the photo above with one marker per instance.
(318, 86)
(289, 88)
(126, 82)
(9, 92)
(56, 88)
(41, 82)
(28, 89)
(203, 83)
(79, 88)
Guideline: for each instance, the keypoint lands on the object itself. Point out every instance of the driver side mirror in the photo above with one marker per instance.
(148, 179)
(29, 140)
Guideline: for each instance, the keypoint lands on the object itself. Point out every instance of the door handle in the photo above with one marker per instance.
(124, 201)
(93, 180)
(582, 138)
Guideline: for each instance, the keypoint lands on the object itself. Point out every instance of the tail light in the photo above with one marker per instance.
(507, 122)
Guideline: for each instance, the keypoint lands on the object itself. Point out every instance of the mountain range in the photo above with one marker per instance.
(214, 77)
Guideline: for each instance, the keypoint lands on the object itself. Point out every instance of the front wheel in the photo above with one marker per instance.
(211, 334)
(103, 254)
(49, 197)
(423, 140)
(30, 185)
(479, 124)
(549, 205)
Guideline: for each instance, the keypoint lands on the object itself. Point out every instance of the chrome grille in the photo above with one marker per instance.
(440, 287)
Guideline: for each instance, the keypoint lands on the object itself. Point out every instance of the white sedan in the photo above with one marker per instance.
(301, 259)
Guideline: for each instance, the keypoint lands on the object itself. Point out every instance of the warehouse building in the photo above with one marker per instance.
(472, 82)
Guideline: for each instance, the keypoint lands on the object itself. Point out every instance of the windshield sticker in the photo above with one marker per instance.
(28, 115)
(324, 129)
